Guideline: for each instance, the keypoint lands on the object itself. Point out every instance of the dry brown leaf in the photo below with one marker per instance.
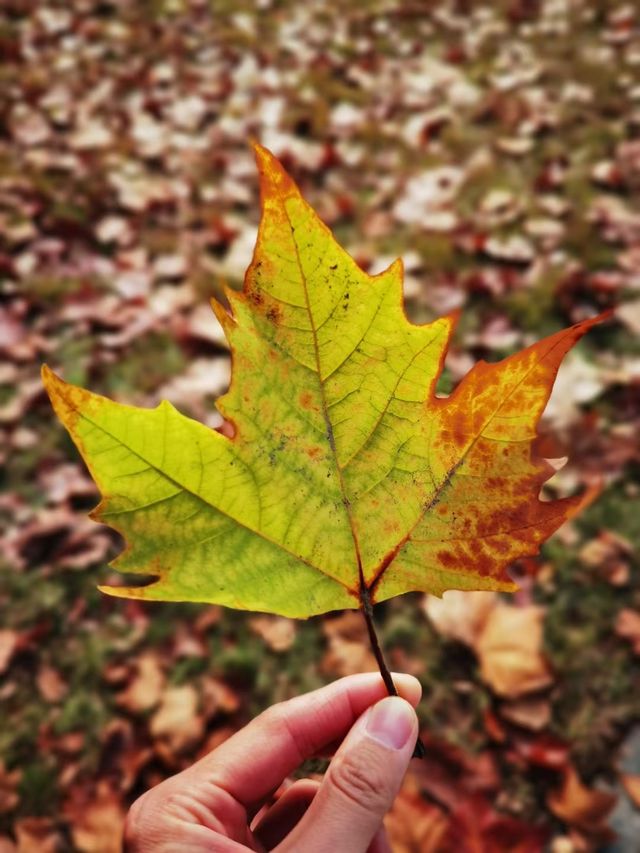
(96, 819)
(177, 724)
(145, 688)
(123, 755)
(65, 482)
(631, 784)
(9, 797)
(509, 651)
(447, 772)
(57, 537)
(530, 713)
(476, 827)
(50, 684)
(218, 697)
(608, 553)
(208, 618)
(628, 627)
(583, 808)
(186, 644)
(460, 615)
(348, 645)
(414, 825)
(71, 743)
(8, 645)
(278, 632)
(543, 750)
(37, 835)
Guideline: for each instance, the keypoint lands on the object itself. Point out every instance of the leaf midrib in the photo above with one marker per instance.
(391, 557)
(325, 413)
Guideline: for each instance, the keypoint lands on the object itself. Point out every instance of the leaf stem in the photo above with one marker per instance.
(367, 611)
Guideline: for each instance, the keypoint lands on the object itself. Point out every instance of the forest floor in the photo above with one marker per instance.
(496, 148)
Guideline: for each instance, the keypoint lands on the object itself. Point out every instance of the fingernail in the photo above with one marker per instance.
(391, 722)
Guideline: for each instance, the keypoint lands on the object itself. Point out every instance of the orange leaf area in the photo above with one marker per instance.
(96, 818)
(509, 651)
(507, 641)
(466, 821)
(414, 825)
(628, 627)
(582, 808)
(631, 784)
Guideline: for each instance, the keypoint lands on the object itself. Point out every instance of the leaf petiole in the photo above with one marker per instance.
(367, 611)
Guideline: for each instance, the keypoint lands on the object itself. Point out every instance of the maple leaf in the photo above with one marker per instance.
(347, 480)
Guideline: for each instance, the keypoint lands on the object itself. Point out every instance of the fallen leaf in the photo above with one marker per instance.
(448, 773)
(475, 826)
(278, 632)
(609, 553)
(348, 648)
(631, 783)
(629, 313)
(460, 615)
(9, 643)
(177, 724)
(144, 691)
(509, 650)
(96, 819)
(413, 825)
(9, 797)
(218, 697)
(544, 750)
(584, 808)
(628, 627)
(123, 756)
(50, 684)
(37, 835)
(530, 713)
(579, 382)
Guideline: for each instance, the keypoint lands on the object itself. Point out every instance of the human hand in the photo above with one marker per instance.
(217, 804)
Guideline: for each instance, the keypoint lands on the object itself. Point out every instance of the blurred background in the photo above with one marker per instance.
(496, 148)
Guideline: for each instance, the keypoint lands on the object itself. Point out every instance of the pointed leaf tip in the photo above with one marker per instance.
(275, 181)
(48, 376)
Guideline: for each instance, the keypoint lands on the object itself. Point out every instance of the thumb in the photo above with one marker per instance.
(361, 782)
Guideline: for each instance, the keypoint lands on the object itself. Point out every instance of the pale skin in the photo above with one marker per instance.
(218, 804)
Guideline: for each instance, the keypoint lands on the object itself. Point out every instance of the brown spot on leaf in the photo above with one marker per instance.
(447, 559)
(274, 313)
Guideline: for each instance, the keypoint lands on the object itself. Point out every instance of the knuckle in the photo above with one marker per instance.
(272, 716)
(358, 778)
(278, 718)
(134, 825)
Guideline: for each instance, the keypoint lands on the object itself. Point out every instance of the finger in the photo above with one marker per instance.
(285, 814)
(253, 762)
(361, 783)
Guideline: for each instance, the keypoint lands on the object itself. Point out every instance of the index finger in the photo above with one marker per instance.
(254, 761)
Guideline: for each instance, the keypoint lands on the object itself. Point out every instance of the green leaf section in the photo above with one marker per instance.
(189, 508)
